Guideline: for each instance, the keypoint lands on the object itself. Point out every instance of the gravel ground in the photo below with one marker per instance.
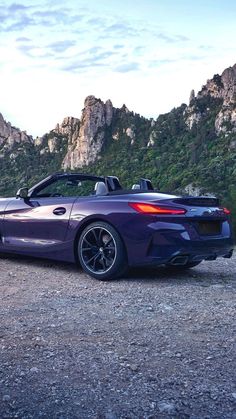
(156, 344)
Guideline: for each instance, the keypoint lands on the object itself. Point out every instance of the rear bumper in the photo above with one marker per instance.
(194, 253)
(197, 255)
(163, 242)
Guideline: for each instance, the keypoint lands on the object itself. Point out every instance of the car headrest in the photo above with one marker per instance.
(113, 183)
(100, 188)
(146, 184)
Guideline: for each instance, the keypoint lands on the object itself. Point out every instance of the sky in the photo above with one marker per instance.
(146, 54)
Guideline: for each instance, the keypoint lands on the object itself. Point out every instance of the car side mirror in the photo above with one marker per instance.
(22, 193)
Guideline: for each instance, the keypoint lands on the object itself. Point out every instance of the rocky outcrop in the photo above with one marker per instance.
(193, 116)
(194, 190)
(87, 141)
(69, 128)
(11, 136)
(5, 128)
(130, 132)
(152, 139)
(226, 119)
(192, 96)
(223, 86)
(223, 89)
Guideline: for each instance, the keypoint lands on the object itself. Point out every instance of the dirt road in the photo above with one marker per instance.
(156, 344)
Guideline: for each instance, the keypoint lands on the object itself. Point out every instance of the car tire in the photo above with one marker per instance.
(101, 252)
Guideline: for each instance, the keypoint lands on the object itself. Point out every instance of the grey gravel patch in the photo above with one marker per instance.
(156, 344)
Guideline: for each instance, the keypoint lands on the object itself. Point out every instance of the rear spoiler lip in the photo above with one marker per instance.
(198, 201)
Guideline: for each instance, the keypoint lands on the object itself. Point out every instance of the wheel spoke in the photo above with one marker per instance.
(100, 237)
(108, 261)
(93, 257)
(95, 236)
(89, 243)
(109, 248)
(95, 260)
(103, 263)
(85, 249)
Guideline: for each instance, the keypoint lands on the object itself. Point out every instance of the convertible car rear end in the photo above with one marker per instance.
(94, 221)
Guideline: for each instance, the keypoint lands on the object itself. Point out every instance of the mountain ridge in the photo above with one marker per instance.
(85, 136)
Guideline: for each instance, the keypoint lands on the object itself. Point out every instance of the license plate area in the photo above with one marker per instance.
(209, 228)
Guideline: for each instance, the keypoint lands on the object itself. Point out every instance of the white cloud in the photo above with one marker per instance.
(54, 54)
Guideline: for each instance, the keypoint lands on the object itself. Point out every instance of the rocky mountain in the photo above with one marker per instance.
(86, 138)
(11, 137)
(223, 90)
(192, 148)
(86, 143)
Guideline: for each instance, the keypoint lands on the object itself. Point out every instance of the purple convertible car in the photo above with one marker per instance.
(93, 221)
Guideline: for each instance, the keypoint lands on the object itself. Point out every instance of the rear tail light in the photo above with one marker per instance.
(226, 211)
(155, 209)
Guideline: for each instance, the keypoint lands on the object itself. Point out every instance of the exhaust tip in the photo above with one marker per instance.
(228, 255)
(179, 260)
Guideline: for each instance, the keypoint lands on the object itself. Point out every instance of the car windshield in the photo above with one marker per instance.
(67, 187)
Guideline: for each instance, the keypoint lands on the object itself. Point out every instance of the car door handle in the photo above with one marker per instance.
(59, 211)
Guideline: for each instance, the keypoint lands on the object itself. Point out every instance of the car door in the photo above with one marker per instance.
(41, 220)
(3, 204)
(36, 222)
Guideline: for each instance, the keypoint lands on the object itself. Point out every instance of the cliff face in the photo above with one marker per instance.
(85, 144)
(11, 137)
(84, 138)
(222, 89)
(67, 132)
(223, 86)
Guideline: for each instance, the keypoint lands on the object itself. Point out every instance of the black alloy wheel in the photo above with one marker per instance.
(101, 251)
